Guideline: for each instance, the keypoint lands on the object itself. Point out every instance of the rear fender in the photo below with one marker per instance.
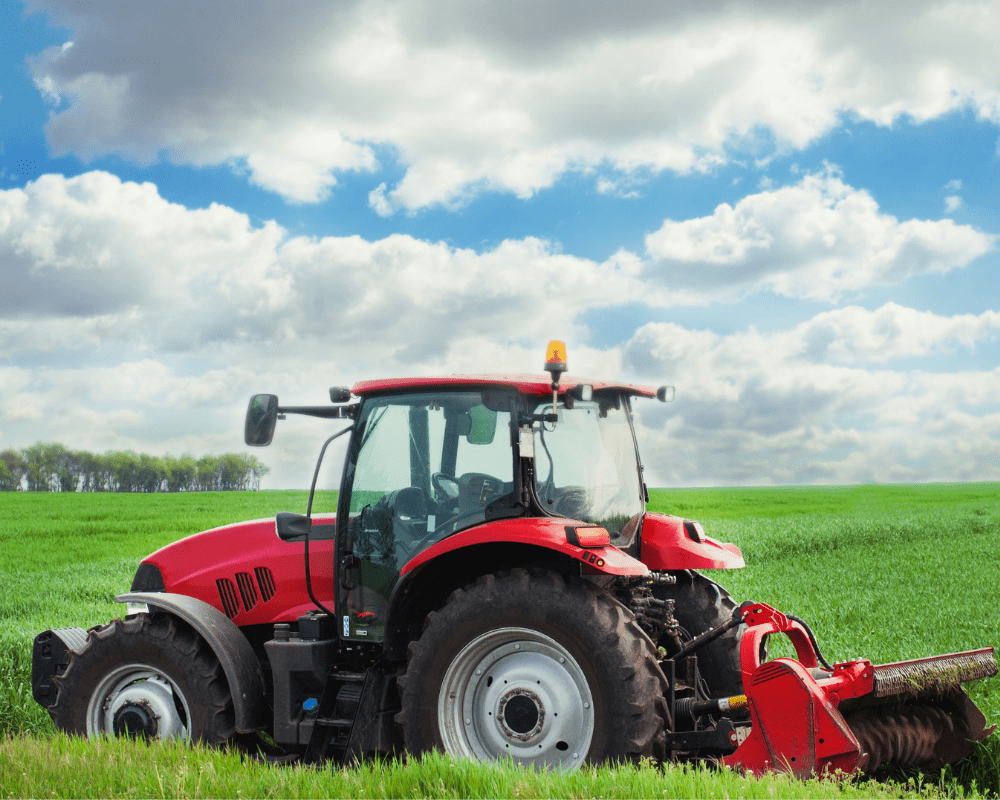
(670, 543)
(235, 654)
(548, 532)
(544, 543)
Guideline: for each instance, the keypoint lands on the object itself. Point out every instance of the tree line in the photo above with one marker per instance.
(53, 468)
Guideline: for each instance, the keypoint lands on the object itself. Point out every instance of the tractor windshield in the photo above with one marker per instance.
(586, 466)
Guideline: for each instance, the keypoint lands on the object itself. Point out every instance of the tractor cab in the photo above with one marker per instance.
(426, 463)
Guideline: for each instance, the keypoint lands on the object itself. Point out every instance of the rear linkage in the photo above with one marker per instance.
(805, 716)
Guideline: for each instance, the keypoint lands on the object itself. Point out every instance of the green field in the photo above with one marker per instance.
(883, 572)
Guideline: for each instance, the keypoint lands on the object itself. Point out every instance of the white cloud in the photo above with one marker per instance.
(475, 97)
(952, 203)
(378, 202)
(101, 261)
(106, 261)
(172, 317)
(817, 239)
(819, 402)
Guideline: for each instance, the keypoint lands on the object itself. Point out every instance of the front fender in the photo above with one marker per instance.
(675, 543)
(238, 660)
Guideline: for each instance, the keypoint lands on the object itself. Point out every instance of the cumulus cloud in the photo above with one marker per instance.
(817, 239)
(99, 260)
(820, 402)
(480, 96)
(165, 312)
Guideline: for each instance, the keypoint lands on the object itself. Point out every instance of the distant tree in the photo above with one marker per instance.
(124, 469)
(91, 471)
(256, 470)
(230, 472)
(13, 468)
(50, 467)
(67, 468)
(152, 475)
(183, 473)
(208, 473)
(42, 466)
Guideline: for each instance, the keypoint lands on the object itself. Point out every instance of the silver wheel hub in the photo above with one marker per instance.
(519, 694)
(137, 700)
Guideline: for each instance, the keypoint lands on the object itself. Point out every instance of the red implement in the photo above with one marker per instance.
(811, 721)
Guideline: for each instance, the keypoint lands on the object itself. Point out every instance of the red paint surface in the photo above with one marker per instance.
(549, 532)
(666, 545)
(540, 385)
(192, 565)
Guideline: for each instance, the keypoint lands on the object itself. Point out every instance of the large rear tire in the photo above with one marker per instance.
(538, 668)
(700, 605)
(147, 676)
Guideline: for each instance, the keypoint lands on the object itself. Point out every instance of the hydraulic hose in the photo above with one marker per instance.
(812, 640)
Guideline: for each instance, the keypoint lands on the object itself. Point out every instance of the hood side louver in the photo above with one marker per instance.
(227, 593)
(248, 589)
(249, 593)
(265, 580)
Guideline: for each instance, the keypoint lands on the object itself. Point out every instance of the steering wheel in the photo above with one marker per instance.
(447, 486)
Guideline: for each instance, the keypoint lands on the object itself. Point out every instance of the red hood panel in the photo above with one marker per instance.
(247, 572)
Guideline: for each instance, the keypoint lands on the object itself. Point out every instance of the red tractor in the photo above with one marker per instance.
(492, 586)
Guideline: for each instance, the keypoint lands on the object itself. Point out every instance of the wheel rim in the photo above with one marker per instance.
(139, 701)
(519, 694)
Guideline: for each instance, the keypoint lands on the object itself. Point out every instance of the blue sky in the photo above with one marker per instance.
(790, 220)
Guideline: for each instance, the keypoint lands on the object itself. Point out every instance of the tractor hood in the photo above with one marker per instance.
(245, 570)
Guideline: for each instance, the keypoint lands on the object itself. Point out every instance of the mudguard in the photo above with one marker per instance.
(675, 543)
(238, 660)
(548, 532)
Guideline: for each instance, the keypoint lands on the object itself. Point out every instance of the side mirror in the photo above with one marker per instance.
(262, 416)
(340, 394)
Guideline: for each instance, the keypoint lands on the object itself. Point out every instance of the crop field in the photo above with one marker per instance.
(882, 572)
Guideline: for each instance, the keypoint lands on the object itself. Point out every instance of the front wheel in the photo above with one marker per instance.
(150, 677)
(536, 668)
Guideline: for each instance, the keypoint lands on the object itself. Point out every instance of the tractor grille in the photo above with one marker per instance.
(265, 580)
(227, 593)
(247, 592)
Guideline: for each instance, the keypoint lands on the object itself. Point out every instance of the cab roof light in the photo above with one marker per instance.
(665, 394)
(587, 536)
(555, 359)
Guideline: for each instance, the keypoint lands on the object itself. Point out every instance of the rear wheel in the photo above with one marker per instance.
(150, 677)
(700, 605)
(534, 667)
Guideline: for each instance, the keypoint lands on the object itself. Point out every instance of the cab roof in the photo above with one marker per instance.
(540, 385)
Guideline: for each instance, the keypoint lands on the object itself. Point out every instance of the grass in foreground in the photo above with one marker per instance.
(59, 766)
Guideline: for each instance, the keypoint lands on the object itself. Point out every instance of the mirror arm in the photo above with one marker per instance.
(326, 412)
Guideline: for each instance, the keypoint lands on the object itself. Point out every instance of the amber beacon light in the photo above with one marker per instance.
(555, 365)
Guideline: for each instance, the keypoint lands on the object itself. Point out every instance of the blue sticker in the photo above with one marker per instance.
(347, 626)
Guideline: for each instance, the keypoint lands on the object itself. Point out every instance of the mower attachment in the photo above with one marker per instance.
(808, 720)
